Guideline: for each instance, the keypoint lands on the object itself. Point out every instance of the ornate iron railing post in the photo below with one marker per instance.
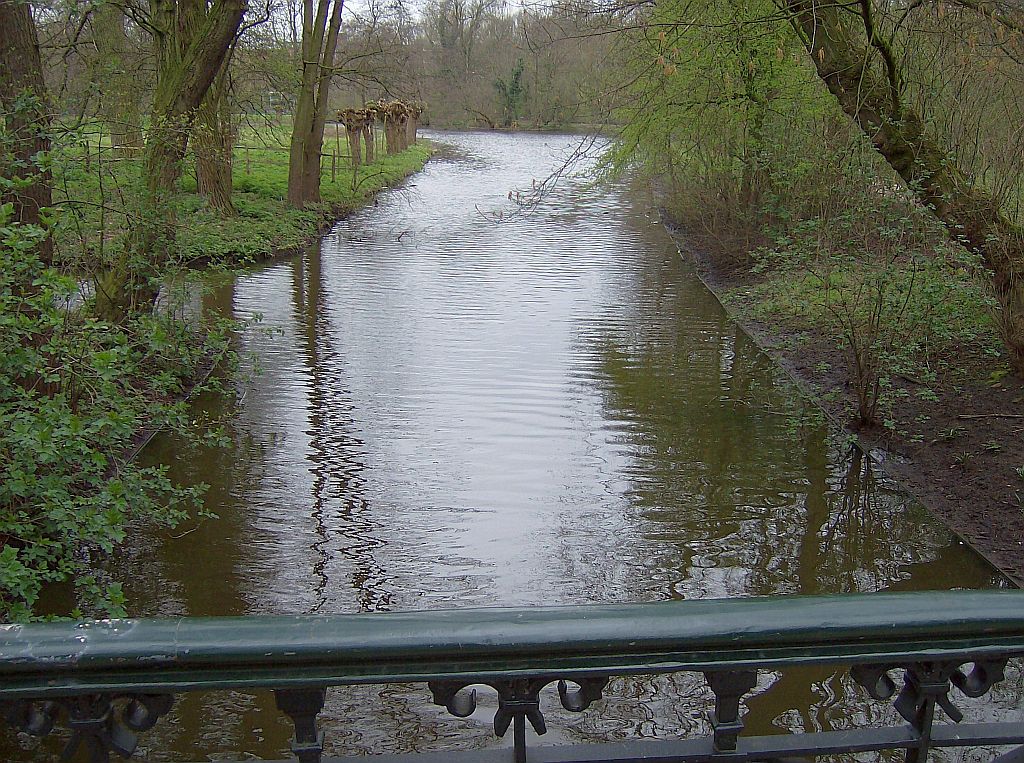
(519, 702)
(303, 706)
(729, 686)
(924, 686)
(95, 721)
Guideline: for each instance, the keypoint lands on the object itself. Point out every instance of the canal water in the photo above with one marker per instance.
(456, 401)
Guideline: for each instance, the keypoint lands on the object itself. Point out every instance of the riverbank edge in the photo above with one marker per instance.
(341, 210)
(959, 495)
(236, 253)
(573, 128)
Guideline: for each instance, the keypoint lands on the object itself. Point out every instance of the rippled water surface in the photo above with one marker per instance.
(457, 410)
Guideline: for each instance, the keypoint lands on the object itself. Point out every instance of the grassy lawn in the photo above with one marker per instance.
(101, 191)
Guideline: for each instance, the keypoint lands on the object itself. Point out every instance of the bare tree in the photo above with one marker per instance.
(319, 44)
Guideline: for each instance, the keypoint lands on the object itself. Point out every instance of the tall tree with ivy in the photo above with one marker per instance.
(24, 167)
(511, 94)
(191, 39)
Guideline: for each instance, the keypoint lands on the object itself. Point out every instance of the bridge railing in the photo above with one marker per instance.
(110, 681)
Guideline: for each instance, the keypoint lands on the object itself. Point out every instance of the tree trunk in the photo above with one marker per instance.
(131, 284)
(402, 132)
(119, 94)
(27, 118)
(354, 140)
(319, 43)
(354, 147)
(861, 73)
(190, 51)
(368, 141)
(754, 177)
(214, 144)
(410, 130)
(391, 135)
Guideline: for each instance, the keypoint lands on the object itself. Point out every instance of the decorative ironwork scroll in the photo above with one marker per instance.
(926, 685)
(101, 723)
(518, 702)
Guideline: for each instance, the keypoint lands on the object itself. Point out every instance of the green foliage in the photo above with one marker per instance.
(262, 227)
(76, 394)
(952, 433)
(98, 195)
(511, 93)
(877, 276)
(712, 80)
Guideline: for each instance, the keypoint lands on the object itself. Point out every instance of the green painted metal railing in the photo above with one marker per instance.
(112, 680)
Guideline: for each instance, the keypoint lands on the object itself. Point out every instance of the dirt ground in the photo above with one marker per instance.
(958, 454)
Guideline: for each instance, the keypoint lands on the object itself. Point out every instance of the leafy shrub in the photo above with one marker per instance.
(877, 274)
(74, 395)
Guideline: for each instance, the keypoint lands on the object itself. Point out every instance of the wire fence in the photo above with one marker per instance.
(101, 151)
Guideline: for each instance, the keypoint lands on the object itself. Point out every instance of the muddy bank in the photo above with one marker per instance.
(961, 453)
